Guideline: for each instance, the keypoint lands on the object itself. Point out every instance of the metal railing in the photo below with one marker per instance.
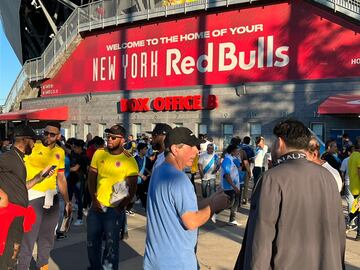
(106, 13)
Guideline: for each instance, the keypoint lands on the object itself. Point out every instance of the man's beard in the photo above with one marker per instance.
(156, 146)
(115, 147)
(28, 150)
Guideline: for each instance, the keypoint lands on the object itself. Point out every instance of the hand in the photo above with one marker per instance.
(96, 205)
(143, 177)
(219, 201)
(237, 190)
(16, 251)
(4, 200)
(68, 209)
(40, 175)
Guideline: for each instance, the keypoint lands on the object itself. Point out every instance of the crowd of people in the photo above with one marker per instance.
(295, 203)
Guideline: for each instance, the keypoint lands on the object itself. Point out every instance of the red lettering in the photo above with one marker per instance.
(197, 103)
(168, 103)
(123, 105)
(143, 104)
(159, 104)
(212, 102)
(187, 102)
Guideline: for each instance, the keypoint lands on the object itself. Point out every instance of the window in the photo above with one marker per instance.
(255, 130)
(86, 130)
(136, 130)
(178, 125)
(228, 132)
(202, 129)
(318, 129)
(101, 130)
(74, 130)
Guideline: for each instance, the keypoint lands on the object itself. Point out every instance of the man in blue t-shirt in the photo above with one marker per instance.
(173, 215)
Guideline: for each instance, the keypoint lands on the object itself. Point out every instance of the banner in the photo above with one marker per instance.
(297, 42)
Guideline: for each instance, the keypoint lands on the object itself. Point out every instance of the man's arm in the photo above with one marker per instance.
(131, 182)
(4, 201)
(217, 202)
(267, 215)
(201, 170)
(92, 183)
(231, 183)
(62, 184)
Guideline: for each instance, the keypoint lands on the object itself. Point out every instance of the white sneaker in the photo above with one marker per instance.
(78, 222)
(213, 218)
(234, 223)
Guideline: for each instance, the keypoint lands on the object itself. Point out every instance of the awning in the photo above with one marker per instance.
(340, 104)
(56, 113)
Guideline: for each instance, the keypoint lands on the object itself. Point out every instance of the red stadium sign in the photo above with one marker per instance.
(173, 103)
(297, 42)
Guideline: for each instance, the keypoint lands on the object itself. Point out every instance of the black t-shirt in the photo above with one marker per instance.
(13, 177)
(331, 160)
(83, 162)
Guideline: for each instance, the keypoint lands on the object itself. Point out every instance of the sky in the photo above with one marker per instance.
(9, 66)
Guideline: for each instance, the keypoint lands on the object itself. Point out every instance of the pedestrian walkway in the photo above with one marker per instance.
(217, 249)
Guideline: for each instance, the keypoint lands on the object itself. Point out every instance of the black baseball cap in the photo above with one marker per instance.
(116, 130)
(26, 131)
(160, 129)
(183, 135)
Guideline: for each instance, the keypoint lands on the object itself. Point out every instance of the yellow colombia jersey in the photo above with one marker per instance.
(354, 166)
(40, 158)
(111, 169)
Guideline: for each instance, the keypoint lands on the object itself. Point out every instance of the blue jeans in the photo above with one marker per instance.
(204, 189)
(108, 225)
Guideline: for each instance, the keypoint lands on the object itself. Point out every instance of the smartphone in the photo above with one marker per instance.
(46, 174)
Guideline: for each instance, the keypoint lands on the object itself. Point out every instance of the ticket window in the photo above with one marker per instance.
(202, 129)
(228, 133)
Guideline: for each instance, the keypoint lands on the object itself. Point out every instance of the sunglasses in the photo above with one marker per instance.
(113, 137)
(47, 133)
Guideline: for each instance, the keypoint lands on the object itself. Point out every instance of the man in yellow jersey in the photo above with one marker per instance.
(354, 175)
(109, 167)
(43, 197)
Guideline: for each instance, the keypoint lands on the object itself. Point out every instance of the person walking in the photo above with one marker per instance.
(295, 220)
(112, 181)
(230, 181)
(158, 135)
(354, 176)
(43, 197)
(173, 214)
(15, 215)
(209, 164)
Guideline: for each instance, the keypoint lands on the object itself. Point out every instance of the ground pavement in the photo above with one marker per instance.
(218, 245)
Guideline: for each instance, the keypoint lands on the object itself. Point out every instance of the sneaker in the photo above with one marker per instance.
(357, 238)
(124, 235)
(78, 222)
(234, 223)
(137, 201)
(60, 236)
(130, 213)
(213, 218)
(350, 228)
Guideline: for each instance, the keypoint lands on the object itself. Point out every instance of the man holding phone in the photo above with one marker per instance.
(14, 210)
(43, 197)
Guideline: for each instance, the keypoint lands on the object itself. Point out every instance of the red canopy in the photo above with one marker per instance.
(340, 104)
(56, 113)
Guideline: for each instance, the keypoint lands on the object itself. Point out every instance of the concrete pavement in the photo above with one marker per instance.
(218, 245)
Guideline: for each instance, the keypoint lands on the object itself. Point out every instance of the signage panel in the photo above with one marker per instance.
(277, 42)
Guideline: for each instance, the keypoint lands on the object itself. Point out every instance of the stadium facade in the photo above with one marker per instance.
(225, 69)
